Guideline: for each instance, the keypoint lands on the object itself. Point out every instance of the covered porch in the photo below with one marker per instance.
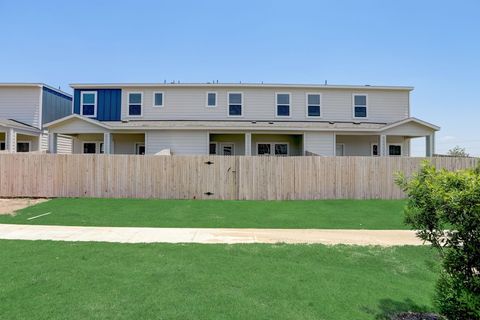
(255, 143)
(17, 137)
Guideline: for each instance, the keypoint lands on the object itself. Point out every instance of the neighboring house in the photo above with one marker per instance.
(24, 109)
(242, 119)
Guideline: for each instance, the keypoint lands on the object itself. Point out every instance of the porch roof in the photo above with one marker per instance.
(19, 126)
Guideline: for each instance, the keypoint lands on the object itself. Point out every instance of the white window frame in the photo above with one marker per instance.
(289, 105)
(95, 104)
(153, 100)
(378, 149)
(222, 143)
(136, 147)
(216, 100)
(353, 105)
(97, 146)
(27, 142)
(128, 104)
(272, 147)
(395, 144)
(216, 148)
(307, 104)
(228, 104)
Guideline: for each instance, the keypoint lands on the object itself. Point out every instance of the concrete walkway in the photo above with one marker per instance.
(207, 235)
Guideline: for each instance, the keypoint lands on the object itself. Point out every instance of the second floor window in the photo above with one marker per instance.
(158, 99)
(313, 105)
(360, 106)
(283, 104)
(88, 103)
(135, 104)
(235, 104)
(211, 99)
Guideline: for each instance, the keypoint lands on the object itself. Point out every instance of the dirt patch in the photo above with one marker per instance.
(9, 206)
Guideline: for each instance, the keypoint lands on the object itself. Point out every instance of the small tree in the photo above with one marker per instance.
(445, 209)
(457, 151)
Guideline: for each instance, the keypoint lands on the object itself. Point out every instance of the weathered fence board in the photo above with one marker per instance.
(209, 177)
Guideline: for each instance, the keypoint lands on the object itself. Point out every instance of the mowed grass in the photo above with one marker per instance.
(326, 214)
(73, 280)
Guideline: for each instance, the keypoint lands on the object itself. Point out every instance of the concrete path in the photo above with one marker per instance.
(207, 235)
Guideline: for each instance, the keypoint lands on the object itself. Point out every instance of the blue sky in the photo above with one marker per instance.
(431, 45)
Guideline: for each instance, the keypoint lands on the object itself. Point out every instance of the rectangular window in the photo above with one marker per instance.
(283, 104)
(313, 105)
(2, 146)
(281, 149)
(158, 99)
(140, 148)
(360, 106)
(211, 99)
(235, 104)
(213, 148)
(135, 104)
(88, 103)
(395, 150)
(23, 146)
(375, 149)
(271, 149)
(89, 147)
(263, 149)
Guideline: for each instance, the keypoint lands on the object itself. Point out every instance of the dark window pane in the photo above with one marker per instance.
(158, 99)
(360, 100)
(375, 150)
(314, 99)
(281, 149)
(283, 98)
(235, 110)
(395, 150)
(314, 111)
(283, 110)
(88, 98)
(23, 147)
(227, 150)
(134, 110)
(360, 112)
(213, 148)
(141, 150)
(135, 98)
(88, 110)
(2, 145)
(263, 148)
(212, 99)
(90, 147)
(235, 98)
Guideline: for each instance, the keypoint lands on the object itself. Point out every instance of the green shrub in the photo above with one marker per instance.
(444, 208)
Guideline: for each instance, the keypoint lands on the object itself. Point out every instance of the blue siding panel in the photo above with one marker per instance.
(108, 103)
(55, 105)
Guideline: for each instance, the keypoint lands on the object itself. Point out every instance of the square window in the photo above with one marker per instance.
(283, 110)
(211, 99)
(235, 110)
(281, 149)
(263, 149)
(88, 110)
(23, 147)
(134, 110)
(360, 112)
(89, 147)
(395, 150)
(314, 111)
(158, 99)
(135, 98)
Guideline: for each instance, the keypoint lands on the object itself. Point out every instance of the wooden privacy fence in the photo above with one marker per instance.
(208, 177)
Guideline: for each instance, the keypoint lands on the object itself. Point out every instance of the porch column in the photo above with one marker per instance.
(52, 142)
(430, 145)
(107, 143)
(382, 146)
(248, 144)
(10, 141)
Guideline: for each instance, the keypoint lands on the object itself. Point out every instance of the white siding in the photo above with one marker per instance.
(44, 142)
(384, 106)
(179, 142)
(320, 143)
(21, 104)
(64, 144)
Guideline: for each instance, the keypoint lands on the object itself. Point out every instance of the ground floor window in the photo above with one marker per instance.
(89, 147)
(395, 150)
(140, 148)
(375, 150)
(340, 149)
(23, 146)
(212, 148)
(227, 149)
(272, 149)
(2, 145)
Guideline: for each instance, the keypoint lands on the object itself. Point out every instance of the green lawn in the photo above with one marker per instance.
(67, 280)
(328, 214)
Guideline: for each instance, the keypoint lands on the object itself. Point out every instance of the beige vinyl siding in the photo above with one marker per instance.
(186, 103)
(188, 142)
(64, 144)
(21, 104)
(237, 139)
(44, 142)
(125, 143)
(320, 143)
(295, 145)
(361, 145)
